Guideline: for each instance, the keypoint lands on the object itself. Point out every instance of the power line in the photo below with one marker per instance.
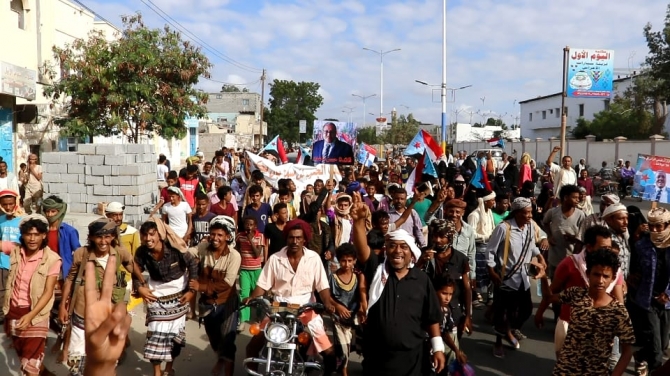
(233, 84)
(92, 11)
(162, 14)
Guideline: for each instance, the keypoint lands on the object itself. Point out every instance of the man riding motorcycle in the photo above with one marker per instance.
(291, 276)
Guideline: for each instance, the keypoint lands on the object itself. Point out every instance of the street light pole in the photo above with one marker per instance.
(444, 76)
(381, 54)
(364, 97)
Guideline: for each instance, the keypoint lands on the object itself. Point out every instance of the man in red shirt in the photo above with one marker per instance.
(190, 184)
(571, 272)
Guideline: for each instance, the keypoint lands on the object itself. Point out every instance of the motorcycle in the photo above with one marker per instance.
(286, 352)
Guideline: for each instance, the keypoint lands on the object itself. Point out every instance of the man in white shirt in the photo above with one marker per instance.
(564, 174)
(162, 172)
(7, 179)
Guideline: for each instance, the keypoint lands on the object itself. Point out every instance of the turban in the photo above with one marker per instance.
(115, 207)
(456, 203)
(658, 215)
(520, 203)
(50, 203)
(489, 196)
(9, 192)
(614, 209)
(18, 210)
(177, 191)
(355, 186)
(402, 235)
(442, 227)
(102, 226)
(610, 199)
(31, 217)
(298, 224)
(227, 222)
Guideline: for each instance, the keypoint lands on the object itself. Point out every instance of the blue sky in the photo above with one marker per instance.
(507, 50)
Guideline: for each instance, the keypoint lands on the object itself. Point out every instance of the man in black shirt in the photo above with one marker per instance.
(399, 308)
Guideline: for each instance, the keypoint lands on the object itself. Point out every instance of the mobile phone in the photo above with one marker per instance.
(532, 270)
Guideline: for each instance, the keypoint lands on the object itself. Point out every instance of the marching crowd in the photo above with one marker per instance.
(401, 269)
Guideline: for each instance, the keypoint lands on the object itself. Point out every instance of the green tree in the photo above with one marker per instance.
(402, 130)
(137, 85)
(626, 116)
(291, 102)
(228, 88)
(367, 135)
(656, 84)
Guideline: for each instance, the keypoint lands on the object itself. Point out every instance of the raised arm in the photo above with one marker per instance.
(550, 158)
(360, 212)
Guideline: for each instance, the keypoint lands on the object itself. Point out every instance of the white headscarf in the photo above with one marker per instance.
(485, 225)
(381, 275)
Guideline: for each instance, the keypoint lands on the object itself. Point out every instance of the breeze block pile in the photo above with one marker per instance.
(98, 173)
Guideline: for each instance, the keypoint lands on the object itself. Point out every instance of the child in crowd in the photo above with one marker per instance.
(177, 214)
(444, 287)
(344, 286)
(201, 219)
(252, 247)
(172, 180)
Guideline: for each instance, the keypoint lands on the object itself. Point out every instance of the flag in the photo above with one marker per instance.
(302, 155)
(423, 141)
(425, 166)
(276, 146)
(497, 142)
(480, 178)
(366, 154)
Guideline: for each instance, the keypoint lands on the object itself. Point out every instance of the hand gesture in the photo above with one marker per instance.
(556, 149)
(442, 195)
(106, 325)
(359, 210)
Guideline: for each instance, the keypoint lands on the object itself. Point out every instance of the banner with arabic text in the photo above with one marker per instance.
(650, 181)
(300, 174)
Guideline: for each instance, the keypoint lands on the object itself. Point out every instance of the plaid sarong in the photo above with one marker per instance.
(166, 321)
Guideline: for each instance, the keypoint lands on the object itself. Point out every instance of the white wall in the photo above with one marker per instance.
(466, 132)
(546, 118)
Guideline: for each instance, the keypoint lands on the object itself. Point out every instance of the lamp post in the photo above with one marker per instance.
(349, 110)
(381, 54)
(443, 99)
(364, 97)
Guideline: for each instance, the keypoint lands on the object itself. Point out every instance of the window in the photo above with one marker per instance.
(16, 6)
(530, 116)
(581, 110)
(219, 96)
(551, 111)
(558, 112)
(544, 115)
(245, 102)
(607, 103)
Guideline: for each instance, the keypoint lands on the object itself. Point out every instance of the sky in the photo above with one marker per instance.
(508, 50)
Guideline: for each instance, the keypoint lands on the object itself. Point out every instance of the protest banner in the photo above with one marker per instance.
(650, 178)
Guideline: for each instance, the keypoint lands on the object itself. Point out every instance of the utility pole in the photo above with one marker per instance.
(260, 130)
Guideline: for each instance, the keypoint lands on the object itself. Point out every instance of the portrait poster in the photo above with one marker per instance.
(650, 182)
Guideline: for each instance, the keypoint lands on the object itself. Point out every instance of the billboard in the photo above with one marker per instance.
(650, 182)
(334, 142)
(590, 73)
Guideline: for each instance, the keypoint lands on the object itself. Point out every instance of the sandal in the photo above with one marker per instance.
(498, 352)
(641, 368)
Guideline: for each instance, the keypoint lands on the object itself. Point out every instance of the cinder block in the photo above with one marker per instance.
(86, 149)
(54, 168)
(130, 190)
(115, 170)
(50, 177)
(69, 158)
(76, 187)
(133, 210)
(138, 148)
(102, 190)
(101, 170)
(58, 188)
(109, 149)
(51, 157)
(131, 170)
(95, 160)
(119, 160)
(78, 207)
(94, 181)
(75, 168)
(146, 158)
(82, 178)
(69, 178)
(89, 189)
(81, 158)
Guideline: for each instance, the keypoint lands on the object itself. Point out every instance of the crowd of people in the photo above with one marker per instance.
(403, 270)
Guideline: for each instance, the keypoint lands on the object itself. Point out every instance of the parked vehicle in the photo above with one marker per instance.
(289, 347)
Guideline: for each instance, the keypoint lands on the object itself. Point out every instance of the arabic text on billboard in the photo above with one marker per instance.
(17, 81)
(590, 73)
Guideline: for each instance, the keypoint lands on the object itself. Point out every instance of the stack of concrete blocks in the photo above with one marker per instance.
(103, 173)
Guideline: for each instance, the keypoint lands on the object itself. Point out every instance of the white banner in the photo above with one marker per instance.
(300, 174)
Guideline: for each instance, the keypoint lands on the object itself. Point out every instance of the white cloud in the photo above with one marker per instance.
(506, 50)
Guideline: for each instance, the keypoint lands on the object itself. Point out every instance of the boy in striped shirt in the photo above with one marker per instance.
(252, 246)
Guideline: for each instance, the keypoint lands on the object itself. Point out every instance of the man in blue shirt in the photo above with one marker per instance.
(9, 235)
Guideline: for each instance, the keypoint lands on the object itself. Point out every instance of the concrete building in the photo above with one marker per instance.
(463, 132)
(30, 29)
(541, 116)
(239, 111)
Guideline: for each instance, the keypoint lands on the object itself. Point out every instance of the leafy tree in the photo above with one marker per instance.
(402, 130)
(137, 85)
(291, 102)
(625, 117)
(227, 88)
(657, 64)
(367, 135)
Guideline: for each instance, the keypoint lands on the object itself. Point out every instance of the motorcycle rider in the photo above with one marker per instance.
(291, 275)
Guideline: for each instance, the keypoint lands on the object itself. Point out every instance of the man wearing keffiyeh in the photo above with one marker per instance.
(398, 293)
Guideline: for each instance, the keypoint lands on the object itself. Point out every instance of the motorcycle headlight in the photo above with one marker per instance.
(277, 333)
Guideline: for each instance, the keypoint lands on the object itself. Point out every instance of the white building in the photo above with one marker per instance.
(30, 29)
(463, 132)
(541, 116)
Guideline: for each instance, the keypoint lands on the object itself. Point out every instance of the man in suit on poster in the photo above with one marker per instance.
(331, 150)
(658, 192)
